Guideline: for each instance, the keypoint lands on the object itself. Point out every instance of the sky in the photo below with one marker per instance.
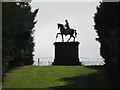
(80, 17)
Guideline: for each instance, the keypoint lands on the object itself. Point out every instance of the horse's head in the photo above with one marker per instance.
(59, 25)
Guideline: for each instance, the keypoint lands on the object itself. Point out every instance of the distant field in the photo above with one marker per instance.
(53, 77)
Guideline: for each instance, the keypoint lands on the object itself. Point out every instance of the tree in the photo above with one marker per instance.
(17, 22)
(107, 26)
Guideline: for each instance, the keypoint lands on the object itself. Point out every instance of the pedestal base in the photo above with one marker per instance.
(66, 53)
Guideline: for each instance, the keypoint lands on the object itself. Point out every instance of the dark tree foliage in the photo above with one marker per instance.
(17, 35)
(107, 25)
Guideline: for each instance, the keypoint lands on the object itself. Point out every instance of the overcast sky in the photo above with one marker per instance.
(80, 17)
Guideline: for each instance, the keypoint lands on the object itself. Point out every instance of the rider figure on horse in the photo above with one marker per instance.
(67, 25)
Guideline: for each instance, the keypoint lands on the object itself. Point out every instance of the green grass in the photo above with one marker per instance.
(53, 77)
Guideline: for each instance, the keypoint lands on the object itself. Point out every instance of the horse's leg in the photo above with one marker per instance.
(62, 38)
(74, 38)
(57, 35)
(69, 38)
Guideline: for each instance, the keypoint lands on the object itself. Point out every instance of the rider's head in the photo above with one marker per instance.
(66, 20)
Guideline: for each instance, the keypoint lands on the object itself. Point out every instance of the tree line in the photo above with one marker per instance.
(107, 25)
(18, 21)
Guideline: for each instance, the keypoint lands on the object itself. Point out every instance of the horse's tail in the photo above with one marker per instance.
(75, 33)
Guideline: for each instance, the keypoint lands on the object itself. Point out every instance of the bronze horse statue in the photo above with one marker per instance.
(66, 32)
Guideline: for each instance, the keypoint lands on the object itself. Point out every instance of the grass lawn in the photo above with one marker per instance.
(52, 77)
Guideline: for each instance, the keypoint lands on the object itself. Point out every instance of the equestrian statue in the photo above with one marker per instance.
(66, 30)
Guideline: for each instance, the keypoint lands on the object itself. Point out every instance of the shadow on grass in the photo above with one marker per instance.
(94, 80)
(100, 68)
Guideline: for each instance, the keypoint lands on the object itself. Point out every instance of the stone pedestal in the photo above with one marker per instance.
(66, 53)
